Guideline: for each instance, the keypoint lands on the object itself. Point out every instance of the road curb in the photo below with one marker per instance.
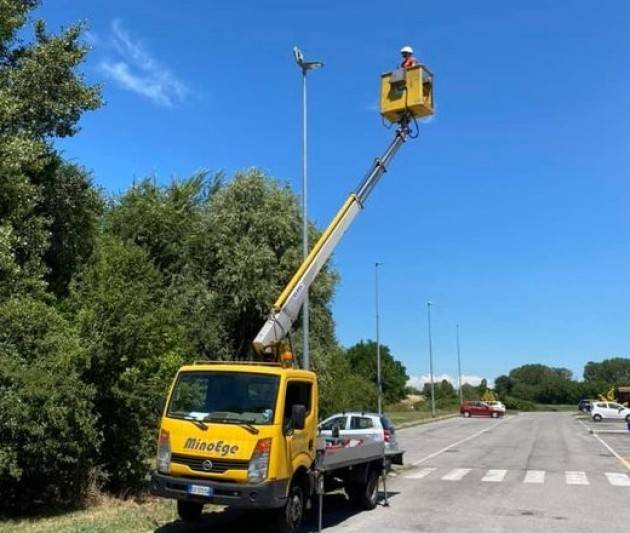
(405, 425)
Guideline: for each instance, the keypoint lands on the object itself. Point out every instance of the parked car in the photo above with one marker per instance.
(585, 405)
(362, 426)
(609, 410)
(475, 408)
(497, 405)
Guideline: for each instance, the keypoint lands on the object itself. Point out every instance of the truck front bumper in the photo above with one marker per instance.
(267, 495)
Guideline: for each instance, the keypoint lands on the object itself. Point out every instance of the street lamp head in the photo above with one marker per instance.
(312, 65)
(305, 65)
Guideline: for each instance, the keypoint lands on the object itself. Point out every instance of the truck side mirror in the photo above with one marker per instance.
(298, 416)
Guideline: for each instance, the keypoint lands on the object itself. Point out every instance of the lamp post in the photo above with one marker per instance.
(431, 361)
(379, 382)
(305, 67)
(459, 368)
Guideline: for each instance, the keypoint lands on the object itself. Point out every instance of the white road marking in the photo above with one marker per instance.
(618, 480)
(574, 477)
(534, 476)
(494, 476)
(420, 474)
(456, 474)
(470, 437)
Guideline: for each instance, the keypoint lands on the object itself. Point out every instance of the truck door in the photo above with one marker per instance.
(300, 441)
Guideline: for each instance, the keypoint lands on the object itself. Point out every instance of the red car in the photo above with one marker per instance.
(474, 408)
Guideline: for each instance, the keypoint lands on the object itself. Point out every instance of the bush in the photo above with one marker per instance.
(517, 404)
(133, 337)
(48, 438)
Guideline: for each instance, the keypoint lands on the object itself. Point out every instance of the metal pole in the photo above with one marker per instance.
(379, 382)
(305, 322)
(459, 368)
(431, 362)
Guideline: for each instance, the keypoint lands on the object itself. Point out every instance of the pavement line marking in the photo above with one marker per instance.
(470, 437)
(574, 477)
(421, 473)
(494, 476)
(618, 480)
(534, 476)
(456, 474)
(621, 459)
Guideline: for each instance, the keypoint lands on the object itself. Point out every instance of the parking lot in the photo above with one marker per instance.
(612, 433)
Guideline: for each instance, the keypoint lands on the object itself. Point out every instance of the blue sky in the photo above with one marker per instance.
(510, 212)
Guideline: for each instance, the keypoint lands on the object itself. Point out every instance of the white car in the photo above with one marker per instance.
(361, 426)
(497, 406)
(610, 410)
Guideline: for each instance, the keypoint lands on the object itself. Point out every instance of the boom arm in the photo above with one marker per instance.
(287, 307)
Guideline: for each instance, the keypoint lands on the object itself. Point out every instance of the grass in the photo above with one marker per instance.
(107, 515)
(422, 415)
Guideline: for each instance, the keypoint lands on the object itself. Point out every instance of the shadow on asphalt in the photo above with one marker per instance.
(337, 509)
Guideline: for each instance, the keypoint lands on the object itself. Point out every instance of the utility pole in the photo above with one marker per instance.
(459, 368)
(305, 66)
(379, 381)
(431, 361)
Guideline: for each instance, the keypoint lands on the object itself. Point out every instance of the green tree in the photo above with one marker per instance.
(49, 438)
(614, 371)
(362, 360)
(41, 97)
(133, 335)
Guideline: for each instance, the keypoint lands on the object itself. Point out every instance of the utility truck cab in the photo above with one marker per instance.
(237, 434)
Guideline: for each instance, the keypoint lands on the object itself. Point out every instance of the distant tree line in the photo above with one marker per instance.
(537, 383)
(103, 298)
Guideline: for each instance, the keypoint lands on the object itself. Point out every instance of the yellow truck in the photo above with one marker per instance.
(245, 434)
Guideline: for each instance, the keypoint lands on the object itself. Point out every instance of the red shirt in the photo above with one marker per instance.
(409, 62)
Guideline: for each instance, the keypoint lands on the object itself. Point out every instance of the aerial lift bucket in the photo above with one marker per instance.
(407, 92)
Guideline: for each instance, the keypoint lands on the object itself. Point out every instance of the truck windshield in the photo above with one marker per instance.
(224, 397)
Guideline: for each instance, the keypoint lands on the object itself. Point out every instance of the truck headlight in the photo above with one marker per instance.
(259, 463)
(164, 452)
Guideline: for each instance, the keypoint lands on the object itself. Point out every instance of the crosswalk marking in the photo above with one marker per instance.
(574, 477)
(534, 476)
(456, 474)
(571, 477)
(494, 476)
(618, 480)
(420, 474)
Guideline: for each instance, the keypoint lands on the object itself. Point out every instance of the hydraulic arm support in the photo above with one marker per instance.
(287, 307)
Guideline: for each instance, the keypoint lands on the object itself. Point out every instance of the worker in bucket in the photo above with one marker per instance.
(408, 60)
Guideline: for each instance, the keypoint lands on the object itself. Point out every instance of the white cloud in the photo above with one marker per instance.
(137, 71)
(419, 381)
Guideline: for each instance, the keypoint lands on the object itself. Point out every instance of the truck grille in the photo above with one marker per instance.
(218, 465)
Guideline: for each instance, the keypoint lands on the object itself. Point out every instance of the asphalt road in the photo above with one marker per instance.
(539, 472)
(531, 472)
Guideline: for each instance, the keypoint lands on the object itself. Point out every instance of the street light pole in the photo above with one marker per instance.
(379, 381)
(459, 368)
(305, 66)
(431, 361)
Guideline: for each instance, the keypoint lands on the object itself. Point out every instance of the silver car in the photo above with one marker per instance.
(363, 426)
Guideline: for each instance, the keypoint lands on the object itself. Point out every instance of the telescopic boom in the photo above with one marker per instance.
(287, 307)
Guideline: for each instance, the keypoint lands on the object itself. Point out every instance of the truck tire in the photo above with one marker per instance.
(189, 511)
(365, 495)
(289, 517)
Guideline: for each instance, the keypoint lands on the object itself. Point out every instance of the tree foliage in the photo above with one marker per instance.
(48, 440)
(362, 360)
(615, 371)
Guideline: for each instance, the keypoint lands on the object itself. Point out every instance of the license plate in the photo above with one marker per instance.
(200, 490)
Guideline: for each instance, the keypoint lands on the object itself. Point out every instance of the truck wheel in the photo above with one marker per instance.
(189, 511)
(290, 516)
(365, 495)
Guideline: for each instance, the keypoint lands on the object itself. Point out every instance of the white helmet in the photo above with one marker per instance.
(406, 49)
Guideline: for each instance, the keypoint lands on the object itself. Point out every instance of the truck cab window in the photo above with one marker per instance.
(298, 393)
